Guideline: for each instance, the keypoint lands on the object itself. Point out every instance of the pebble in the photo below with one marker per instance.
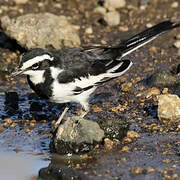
(127, 140)
(153, 49)
(114, 4)
(123, 28)
(125, 149)
(178, 52)
(166, 161)
(126, 87)
(1, 129)
(13, 125)
(97, 109)
(178, 36)
(112, 18)
(153, 91)
(100, 10)
(174, 4)
(150, 170)
(89, 30)
(169, 108)
(177, 44)
(149, 25)
(132, 134)
(7, 122)
(165, 91)
(108, 144)
(32, 125)
(20, 1)
(137, 170)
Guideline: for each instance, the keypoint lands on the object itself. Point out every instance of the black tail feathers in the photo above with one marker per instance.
(146, 36)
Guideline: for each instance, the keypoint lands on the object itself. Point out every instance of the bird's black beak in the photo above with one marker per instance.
(15, 73)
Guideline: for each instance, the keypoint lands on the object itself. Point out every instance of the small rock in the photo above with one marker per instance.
(169, 108)
(100, 10)
(89, 30)
(150, 170)
(20, 1)
(77, 135)
(123, 28)
(153, 91)
(114, 128)
(137, 170)
(177, 44)
(149, 25)
(8, 121)
(11, 102)
(178, 52)
(178, 36)
(165, 91)
(108, 144)
(112, 18)
(13, 125)
(144, 2)
(126, 87)
(114, 4)
(125, 149)
(41, 30)
(1, 128)
(174, 4)
(132, 134)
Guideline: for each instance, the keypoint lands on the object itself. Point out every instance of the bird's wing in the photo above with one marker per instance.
(105, 62)
(86, 75)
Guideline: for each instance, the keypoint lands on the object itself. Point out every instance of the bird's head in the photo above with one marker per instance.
(34, 62)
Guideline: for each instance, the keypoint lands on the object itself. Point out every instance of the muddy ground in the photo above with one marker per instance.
(155, 154)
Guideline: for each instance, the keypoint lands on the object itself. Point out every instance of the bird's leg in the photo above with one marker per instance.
(86, 110)
(61, 116)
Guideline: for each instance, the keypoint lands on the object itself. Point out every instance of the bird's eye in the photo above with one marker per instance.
(35, 66)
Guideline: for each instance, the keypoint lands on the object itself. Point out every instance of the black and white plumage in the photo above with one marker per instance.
(72, 75)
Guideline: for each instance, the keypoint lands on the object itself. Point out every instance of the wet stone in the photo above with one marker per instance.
(76, 135)
(114, 128)
(53, 172)
(166, 79)
(11, 102)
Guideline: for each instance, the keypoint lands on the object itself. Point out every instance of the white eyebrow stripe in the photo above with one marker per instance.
(36, 59)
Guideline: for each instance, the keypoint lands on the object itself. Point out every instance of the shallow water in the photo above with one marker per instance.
(19, 166)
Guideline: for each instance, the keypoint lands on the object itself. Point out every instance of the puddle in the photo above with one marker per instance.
(20, 166)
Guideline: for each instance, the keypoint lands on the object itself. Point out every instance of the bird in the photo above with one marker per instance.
(73, 74)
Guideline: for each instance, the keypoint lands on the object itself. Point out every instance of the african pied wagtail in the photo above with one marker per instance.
(72, 75)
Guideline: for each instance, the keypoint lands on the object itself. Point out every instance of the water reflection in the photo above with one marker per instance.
(16, 166)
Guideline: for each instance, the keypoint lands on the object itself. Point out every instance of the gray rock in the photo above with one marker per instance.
(169, 108)
(112, 18)
(169, 79)
(77, 135)
(114, 128)
(41, 30)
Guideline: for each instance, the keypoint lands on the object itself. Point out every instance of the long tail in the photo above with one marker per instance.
(135, 42)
